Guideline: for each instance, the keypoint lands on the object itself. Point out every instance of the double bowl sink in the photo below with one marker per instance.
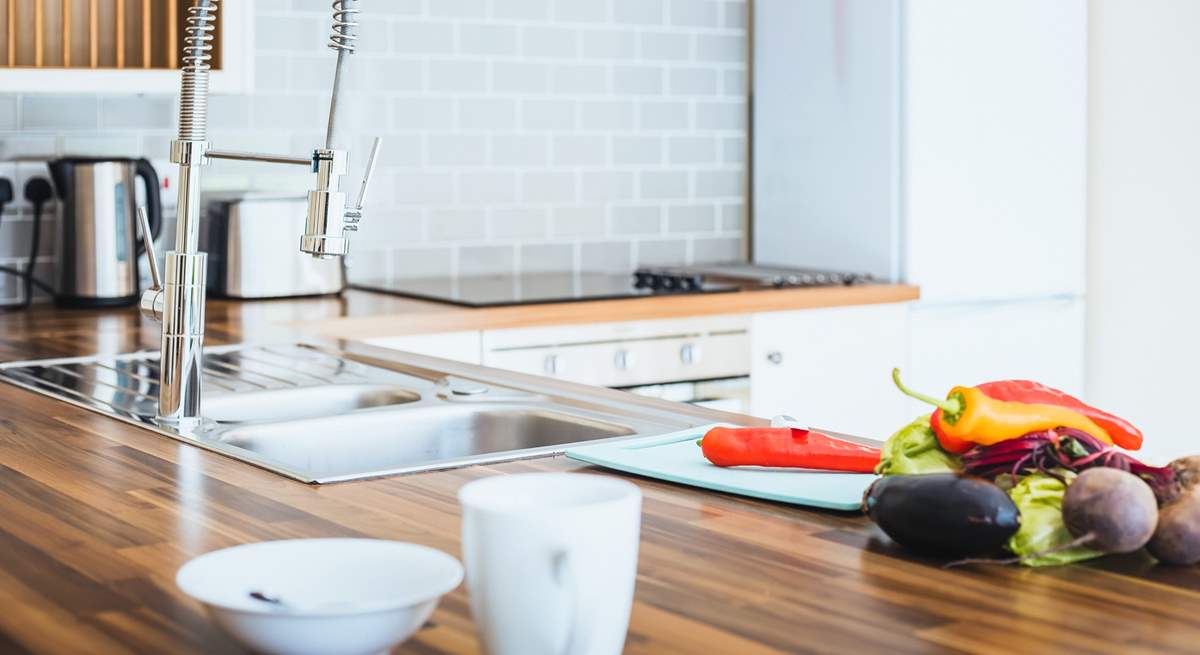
(320, 415)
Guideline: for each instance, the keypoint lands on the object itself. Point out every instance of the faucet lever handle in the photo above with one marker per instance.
(151, 255)
(370, 171)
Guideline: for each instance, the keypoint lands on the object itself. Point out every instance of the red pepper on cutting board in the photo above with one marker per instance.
(1123, 433)
(786, 447)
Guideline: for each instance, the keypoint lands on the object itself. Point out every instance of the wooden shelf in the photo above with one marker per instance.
(116, 45)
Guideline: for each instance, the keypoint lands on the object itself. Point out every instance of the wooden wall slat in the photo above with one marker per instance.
(145, 34)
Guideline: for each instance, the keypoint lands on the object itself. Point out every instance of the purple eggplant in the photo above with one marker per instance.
(944, 514)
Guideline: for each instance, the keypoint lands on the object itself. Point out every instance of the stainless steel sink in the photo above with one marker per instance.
(316, 415)
(304, 402)
(430, 437)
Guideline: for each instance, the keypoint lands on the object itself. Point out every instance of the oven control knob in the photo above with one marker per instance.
(775, 357)
(554, 364)
(623, 360)
(689, 354)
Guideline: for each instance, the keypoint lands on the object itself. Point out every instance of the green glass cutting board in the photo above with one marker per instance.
(675, 457)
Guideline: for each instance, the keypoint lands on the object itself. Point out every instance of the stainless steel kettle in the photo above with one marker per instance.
(98, 245)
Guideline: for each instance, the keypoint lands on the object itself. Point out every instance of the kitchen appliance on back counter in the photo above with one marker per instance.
(247, 258)
(533, 288)
(98, 245)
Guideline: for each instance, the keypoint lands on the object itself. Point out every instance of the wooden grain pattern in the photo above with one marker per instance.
(420, 317)
(97, 516)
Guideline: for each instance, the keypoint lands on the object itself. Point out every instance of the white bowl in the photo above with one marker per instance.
(339, 596)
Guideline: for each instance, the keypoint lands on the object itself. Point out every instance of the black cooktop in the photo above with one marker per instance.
(500, 290)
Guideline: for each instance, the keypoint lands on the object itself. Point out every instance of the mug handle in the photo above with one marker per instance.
(564, 574)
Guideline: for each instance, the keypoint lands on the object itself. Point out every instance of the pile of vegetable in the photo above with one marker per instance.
(1019, 466)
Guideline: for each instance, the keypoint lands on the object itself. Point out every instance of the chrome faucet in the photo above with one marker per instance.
(177, 299)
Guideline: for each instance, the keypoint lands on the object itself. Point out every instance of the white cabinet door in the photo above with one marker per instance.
(831, 368)
(995, 148)
(458, 346)
(968, 344)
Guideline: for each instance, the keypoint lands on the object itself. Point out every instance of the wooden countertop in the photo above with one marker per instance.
(399, 316)
(96, 515)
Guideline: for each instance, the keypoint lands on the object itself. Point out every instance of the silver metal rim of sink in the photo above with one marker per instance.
(320, 366)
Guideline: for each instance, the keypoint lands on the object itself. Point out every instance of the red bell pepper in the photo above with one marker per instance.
(1123, 433)
(786, 447)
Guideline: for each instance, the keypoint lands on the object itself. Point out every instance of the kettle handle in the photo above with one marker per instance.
(145, 170)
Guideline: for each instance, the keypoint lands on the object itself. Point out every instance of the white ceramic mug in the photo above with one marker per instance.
(551, 560)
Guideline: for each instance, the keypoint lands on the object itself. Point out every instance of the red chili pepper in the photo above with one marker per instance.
(786, 447)
(1123, 433)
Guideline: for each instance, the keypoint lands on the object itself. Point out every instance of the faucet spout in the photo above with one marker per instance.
(178, 302)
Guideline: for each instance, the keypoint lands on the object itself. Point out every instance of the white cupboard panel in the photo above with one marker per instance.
(968, 344)
(995, 148)
(457, 346)
(831, 368)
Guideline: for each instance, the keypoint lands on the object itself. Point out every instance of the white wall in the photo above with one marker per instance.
(1144, 217)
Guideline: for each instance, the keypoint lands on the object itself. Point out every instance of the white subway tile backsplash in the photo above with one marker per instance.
(418, 113)
(638, 80)
(629, 150)
(574, 11)
(486, 260)
(145, 112)
(487, 113)
(8, 112)
(665, 45)
(487, 187)
(519, 223)
(608, 115)
(698, 13)
(580, 150)
(577, 222)
(519, 77)
(487, 39)
(424, 188)
(468, 8)
(457, 224)
(666, 115)
(663, 185)
(60, 112)
(456, 149)
(548, 186)
(662, 252)
(580, 79)
(712, 250)
(607, 185)
(518, 134)
(606, 256)
(521, 9)
(721, 115)
(720, 47)
(691, 218)
(549, 114)
(638, 219)
(547, 257)
(419, 37)
(456, 75)
(692, 150)
(519, 150)
(543, 41)
(288, 33)
(421, 262)
(693, 81)
(720, 184)
(608, 44)
(643, 12)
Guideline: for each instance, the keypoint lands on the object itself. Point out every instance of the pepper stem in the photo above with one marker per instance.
(950, 405)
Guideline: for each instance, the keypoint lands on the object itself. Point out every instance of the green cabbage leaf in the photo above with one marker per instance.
(914, 450)
(1039, 498)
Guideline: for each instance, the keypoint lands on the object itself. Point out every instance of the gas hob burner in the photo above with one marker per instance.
(667, 280)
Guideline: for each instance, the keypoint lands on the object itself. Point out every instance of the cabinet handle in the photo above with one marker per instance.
(775, 357)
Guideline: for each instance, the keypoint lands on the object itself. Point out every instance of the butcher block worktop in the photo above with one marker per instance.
(96, 516)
